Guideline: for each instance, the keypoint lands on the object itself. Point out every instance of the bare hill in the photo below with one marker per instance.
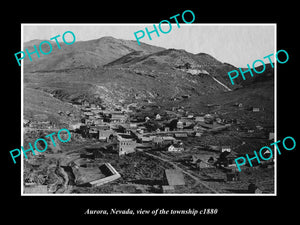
(41, 106)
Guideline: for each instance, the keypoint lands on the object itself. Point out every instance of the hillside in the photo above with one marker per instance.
(119, 72)
(42, 106)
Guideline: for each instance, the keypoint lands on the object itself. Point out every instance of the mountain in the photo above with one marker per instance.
(119, 72)
(87, 54)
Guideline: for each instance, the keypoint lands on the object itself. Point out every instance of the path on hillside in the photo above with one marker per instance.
(219, 82)
(182, 170)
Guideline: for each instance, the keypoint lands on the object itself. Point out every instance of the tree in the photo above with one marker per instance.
(173, 124)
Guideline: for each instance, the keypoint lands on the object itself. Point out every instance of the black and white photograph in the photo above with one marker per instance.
(149, 117)
(147, 112)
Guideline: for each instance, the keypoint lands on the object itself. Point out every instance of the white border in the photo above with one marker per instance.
(142, 24)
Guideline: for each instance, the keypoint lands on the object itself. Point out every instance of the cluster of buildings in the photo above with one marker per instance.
(129, 134)
(165, 131)
(171, 128)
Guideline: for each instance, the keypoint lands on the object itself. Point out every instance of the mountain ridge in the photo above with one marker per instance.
(91, 53)
(122, 73)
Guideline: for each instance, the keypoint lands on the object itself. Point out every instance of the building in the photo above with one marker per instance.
(202, 164)
(140, 130)
(190, 116)
(169, 140)
(158, 117)
(126, 144)
(145, 139)
(228, 158)
(233, 176)
(104, 132)
(124, 128)
(89, 122)
(255, 109)
(268, 155)
(98, 121)
(104, 135)
(75, 126)
(93, 132)
(258, 191)
(199, 119)
(162, 141)
(173, 177)
(86, 109)
(259, 127)
(26, 122)
(179, 125)
(198, 133)
(226, 149)
(84, 130)
(168, 189)
(208, 118)
(85, 103)
(157, 140)
(96, 112)
(238, 104)
(181, 135)
(103, 127)
(176, 148)
(199, 127)
(118, 118)
(133, 125)
(92, 118)
(186, 121)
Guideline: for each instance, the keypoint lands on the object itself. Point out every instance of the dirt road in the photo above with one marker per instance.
(197, 179)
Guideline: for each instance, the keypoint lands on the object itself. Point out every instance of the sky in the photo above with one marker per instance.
(237, 44)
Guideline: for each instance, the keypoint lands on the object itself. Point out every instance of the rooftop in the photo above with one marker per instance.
(174, 177)
(122, 136)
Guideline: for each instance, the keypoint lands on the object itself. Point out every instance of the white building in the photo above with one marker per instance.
(158, 117)
(176, 148)
(226, 149)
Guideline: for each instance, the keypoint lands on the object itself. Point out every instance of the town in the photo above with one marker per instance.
(147, 150)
